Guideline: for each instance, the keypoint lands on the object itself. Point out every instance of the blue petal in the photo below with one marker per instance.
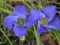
(9, 21)
(28, 22)
(49, 11)
(20, 10)
(19, 30)
(36, 14)
(54, 24)
(41, 29)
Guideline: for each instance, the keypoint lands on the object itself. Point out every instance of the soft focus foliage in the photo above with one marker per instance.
(7, 36)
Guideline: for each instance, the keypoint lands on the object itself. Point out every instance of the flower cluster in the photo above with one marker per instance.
(20, 20)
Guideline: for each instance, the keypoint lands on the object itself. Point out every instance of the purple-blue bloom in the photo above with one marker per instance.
(19, 13)
(53, 20)
(48, 12)
(13, 21)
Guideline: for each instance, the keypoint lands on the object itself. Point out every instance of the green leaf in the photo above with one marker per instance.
(5, 10)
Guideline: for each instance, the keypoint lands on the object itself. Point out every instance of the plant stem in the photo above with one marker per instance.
(37, 37)
(39, 4)
(21, 42)
(26, 4)
(32, 4)
(6, 36)
(7, 11)
(57, 38)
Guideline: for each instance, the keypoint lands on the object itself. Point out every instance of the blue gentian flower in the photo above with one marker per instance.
(16, 20)
(45, 15)
(19, 20)
(53, 21)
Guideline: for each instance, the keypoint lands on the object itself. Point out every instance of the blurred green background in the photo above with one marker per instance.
(7, 37)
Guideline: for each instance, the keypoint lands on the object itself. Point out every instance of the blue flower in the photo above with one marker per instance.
(19, 21)
(53, 21)
(16, 20)
(45, 15)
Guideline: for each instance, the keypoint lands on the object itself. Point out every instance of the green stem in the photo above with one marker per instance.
(32, 4)
(39, 4)
(32, 42)
(21, 42)
(37, 37)
(26, 4)
(3, 42)
(57, 38)
(6, 36)
(7, 11)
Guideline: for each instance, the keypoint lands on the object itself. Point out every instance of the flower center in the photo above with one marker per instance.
(44, 21)
(20, 21)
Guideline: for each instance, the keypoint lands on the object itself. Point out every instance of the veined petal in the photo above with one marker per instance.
(20, 10)
(54, 24)
(49, 11)
(36, 14)
(19, 30)
(9, 21)
(41, 29)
